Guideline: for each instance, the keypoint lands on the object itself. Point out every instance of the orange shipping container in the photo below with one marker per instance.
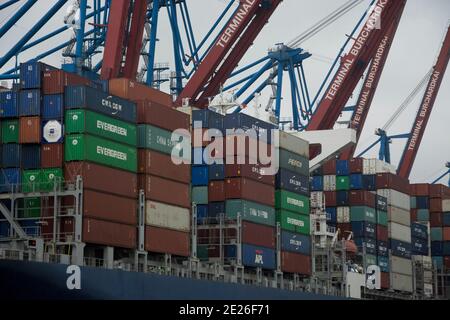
(167, 241)
(134, 91)
(30, 130)
(109, 233)
(447, 234)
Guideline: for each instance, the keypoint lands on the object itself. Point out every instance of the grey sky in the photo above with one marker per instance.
(414, 52)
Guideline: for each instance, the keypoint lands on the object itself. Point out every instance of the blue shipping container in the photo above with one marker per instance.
(31, 74)
(356, 182)
(216, 172)
(215, 209)
(296, 243)
(30, 103)
(30, 156)
(293, 182)
(53, 107)
(422, 203)
(200, 176)
(202, 213)
(342, 168)
(331, 215)
(342, 198)
(419, 247)
(438, 262)
(382, 249)
(209, 119)
(381, 203)
(245, 122)
(437, 248)
(83, 97)
(363, 229)
(31, 227)
(383, 263)
(446, 248)
(368, 243)
(8, 104)
(318, 173)
(369, 182)
(5, 228)
(9, 179)
(258, 257)
(199, 159)
(419, 231)
(317, 183)
(11, 155)
(400, 248)
(447, 219)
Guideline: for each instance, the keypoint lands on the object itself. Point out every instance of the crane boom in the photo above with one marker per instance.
(234, 41)
(354, 64)
(426, 107)
(370, 85)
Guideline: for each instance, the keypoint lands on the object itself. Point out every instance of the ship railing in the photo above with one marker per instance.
(94, 262)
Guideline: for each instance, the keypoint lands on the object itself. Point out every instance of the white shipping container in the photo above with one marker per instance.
(399, 232)
(396, 199)
(369, 166)
(316, 199)
(294, 144)
(343, 215)
(166, 216)
(401, 282)
(399, 216)
(446, 205)
(401, 266)
(329, 183)
(384, 167)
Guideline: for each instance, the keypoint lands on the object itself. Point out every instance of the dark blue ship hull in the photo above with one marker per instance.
(31, 280)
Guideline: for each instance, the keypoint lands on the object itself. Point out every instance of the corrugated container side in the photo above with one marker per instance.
(30, 130)
(216, 172)
(369, 182)
(423, 215)
(363, 214)
(162, 116)
(200, 176)
(254, 172)
(245, 122)
(295, 263)
(401, 282)
(293, 222)
(296, 243)
(294, 144)
(166, 216)
(329, 183)
(356, 165)
(55, 81)
(363, 229)
(343, 215)
(342, 198)
(292, 182)
(53, 107)
(356, 182)
(134, 91)
(369, 244)
(216, 191)
(382, 248)
(436, 219)
(158, 164)
(30, 157)
(52, 155)
(396, 198)
(446, 205)
(400, 248)
(382, 218)
(329, 168)
(9, 104)
(382, 233)
(362, 198)
(109, 233)
(10, 131)
(11, 155)
(419, 231)
(250, 211)
(293, 162)
(391, 181)
(200, 195)
(10, 179)
(401, 266)
(31, 74)
(161, 240)
(436, 205)
(342, 168)
(292, 202)
(258, 235)
(165, 191)
(29, 103)
(399, 216)
(249, 190)
(420, 247)
(399, 232)
(258, 257)
(317, 183)
(208, 119)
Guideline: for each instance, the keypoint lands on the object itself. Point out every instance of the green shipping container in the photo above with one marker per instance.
(200, 195)
(371, 260)
(202, 252)
(49, 176)
(250, 211)
(31, 208)
(296, 203)
(10, 131)
(293, 222)
(31, 181)
(90, 148)
(342, 183)
(413, 202)
(382, 218)
(294, 162)
(83, 121)
(363, 214)
(423, 215)
(153, 138)
(437, 234)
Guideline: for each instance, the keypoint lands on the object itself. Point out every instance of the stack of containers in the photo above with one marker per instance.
(293, 205)
(163, 166)
(383, 240)
(100, 147)
(396, 190)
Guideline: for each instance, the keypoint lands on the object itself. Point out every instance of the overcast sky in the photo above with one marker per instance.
(414, 52)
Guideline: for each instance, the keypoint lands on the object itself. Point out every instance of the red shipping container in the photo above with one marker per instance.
(330, 198)
(134, 91)
(68, 229)
(99, 178)
(161, 165)
(216, 191)
(52, 156)
(446, 233)
(329, 168)
(356, 165)
(295, 263)
(382, 233)
(162, 116)
(250, 190)
(385, 280)
(165, 191)
(244, 146)
(392, 181)
(420, 189)
(259, 235)
(362, 198)
(109, 233)
(54, 81)
(251, 171)
(30, 130)
(414, 215)
(437, 190)
(167, 241)
(436, 219)
(345, 229)
(447, 262)
(436, 205)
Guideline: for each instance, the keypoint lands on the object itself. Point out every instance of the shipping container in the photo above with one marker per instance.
(30, 130)
(202, 214)
(446, 234)
(250, 211)
(382, 218)
(370, 260)
(369, 182)
(216, 209)
(258, 257)
(90, 148)
(296, 263)
(436, 234)
(200, 176)
(29, 103)
(82, 97)
(161, 165)
(10, 179)
(356, 165)
(208, 119)
(362, 213)
(382, 233)
(84, 121)
(400, 282)
(419, 247)
(381, 203)
(399, 216)
(331, 215)
(420, 189)
(362, 229)
(286, 200)
(52, 132)
(436, 205)
(356, 182)
(55, 81)
(419, 231)
(10, 131)
(436, 219)
(161, 240)
(423, 215)
(446, 205)
(166, 216)
(400, 249)
(200, 195)
(31, 181)
(161, 116)
(438, 191)
(134, 91)
(51, 178)
(396, 199)
(392, 181)
(438, 262)
(31, 74)
(109, 233)
(296, 243)
(294, 144)
(383, 263)
(422, 203)
(329, 183)
(292, 182)
(382, 248)
(30, 208)
(166, 191)
(399, 232)
(343, 215)
(369, 244)
(317, 183)
(216, 172)
(362, 198)
(98, 178)
(9, 104)
(204, 156)
(293, 162)
(413, 202)
(30, 156)
(329, 168)
(401, 265)
(342, 168)
(446, 248)
(293, 222)
(446, 219)
(437, 248)
(258, 235)
(53, 107)
(52, 156)
(247, 147)
(247, 189)
(240, 121)
(342, 198)
(256, 172)
(216, 191)
(11, 155)
(330, 198)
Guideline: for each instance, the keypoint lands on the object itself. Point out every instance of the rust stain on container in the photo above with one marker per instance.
(103, 179)
(109, 233)
(295, 263)
(30, 130)
(216, 191)
(258, 235)
(158, 115)
(134, 91)
(165, 191)
(52, 155)
(55, 81)
(241, 188)
(167, 241)
(158, 164)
